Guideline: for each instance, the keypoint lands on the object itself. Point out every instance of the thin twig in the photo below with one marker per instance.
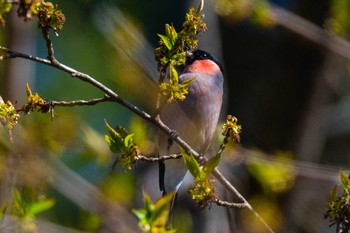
(49, 45)
(156, 159)
(81, 102)
(219, 202)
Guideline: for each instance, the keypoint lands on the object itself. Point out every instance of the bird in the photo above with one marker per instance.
(194, 119)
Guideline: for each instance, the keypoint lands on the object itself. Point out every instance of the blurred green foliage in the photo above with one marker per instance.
(339, 21)
(236, 10)
(154, 216)
(4, 8)
(268, 209)
(275, 176)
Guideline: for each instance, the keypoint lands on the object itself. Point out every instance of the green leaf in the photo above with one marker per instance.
(40, 206)
(345, 182)
(178, 59)
(128, 140)
(153, 217)
(148, 203)
(191, 163)
(163, 203)
(171, 34)
(161, 210)
(17, 196)
(174, 76)
(112, 144)
(4, 8)
(116, 138)
(140, 213)
(166, 41)
(187, 82)
(209, 166)
(334, 193)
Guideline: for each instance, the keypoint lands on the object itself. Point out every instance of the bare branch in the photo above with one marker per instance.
(51, 52)
(81, 102)
(310, 31)
(156, 159)
(219, 202)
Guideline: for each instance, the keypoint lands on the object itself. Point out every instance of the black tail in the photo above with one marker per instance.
(161, 166)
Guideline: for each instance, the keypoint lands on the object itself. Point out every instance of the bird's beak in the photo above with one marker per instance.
(189, 53)
(189, 56)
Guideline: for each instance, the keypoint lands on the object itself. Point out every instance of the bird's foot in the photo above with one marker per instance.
(173, 135)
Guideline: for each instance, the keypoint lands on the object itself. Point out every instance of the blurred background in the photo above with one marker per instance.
(286, 80)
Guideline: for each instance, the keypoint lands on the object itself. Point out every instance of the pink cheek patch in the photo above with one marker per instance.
(203, 67)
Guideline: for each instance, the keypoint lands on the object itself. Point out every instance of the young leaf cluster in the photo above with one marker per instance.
(258, 11)
(22, 207)
(203, 192)
(121, 142)
(338, 211)
(35, 103)
(172, 53)
(153, 217)
(4, 8)
(8, 114)
(231, 129)
(26, 209)
(49, 16)
(175, 90)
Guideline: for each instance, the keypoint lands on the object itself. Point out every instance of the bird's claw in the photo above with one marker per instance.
(172, 136)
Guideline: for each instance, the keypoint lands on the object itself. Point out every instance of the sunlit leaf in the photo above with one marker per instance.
(140, 213)
(345, 182)
(276, 176)
(128, 140)
(166, 41)
(174, 76)
(112, 144)
(153, 217)
(40, 206)
(148, 202)
(171, 34)
(191, 163)
(187, 82)
(212, 163)
(161, 210)
(334, 193)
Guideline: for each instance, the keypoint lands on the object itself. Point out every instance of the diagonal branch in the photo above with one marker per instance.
(310, 31)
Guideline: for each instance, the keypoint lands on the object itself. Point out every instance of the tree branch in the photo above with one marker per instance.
(219, 202)
(310, 31)
(81, 102)
(156, 159)
(51, 52)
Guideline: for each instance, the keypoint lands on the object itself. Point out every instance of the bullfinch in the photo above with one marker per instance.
(193, 119)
